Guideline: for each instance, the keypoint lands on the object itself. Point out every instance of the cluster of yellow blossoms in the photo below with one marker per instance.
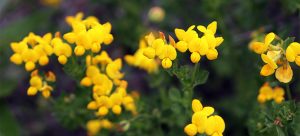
(38, 84)
(87, 34)
(204, 45)
(266, 92)
(204, 122)
(199, 46)
(102, 72)
(276, 58)
(104, 75)
(31, 50)
(34, 49)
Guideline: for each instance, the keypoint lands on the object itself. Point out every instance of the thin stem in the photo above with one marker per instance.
(194, 72)
(288, 91)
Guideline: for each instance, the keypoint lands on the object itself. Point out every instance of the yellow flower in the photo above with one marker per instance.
(266, 92)
(293, 52)
(37, 84)
(284, 73)
(204, 122)
(88, 34)
(261, 47)
(168, 53)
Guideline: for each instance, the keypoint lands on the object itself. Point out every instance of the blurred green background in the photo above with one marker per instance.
(234, 78)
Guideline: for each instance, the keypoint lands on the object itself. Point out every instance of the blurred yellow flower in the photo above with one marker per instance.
(266, 93)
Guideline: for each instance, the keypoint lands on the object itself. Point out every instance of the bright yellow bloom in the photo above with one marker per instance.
(88, 34)
(204, 122)
(94, 126)
(168, 53)
(32, 49)
(293, 52)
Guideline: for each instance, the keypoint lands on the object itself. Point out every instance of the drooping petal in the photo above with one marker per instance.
(284, 73)
(266, 70)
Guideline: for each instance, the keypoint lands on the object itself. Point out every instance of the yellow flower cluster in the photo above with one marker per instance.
(158, 47)
(94, 126)
(141, 61)
(104, 74)
(166, 51)
(87, 34)
(277, 59)
(199, 46)
(266, 92)
(31, 50)
(204, 122)
(38, 83)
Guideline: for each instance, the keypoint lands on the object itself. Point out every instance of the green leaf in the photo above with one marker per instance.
(188, 76)
(201, 77)
(8, 124)
(174, 94)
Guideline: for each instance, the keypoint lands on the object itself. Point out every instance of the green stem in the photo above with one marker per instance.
(194, 72)
(288, 91)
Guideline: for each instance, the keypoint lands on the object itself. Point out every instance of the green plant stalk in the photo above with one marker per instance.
(188, 89)
(288, 91)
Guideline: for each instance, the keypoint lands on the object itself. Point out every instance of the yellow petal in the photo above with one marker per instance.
(208, 110)
(212, 27)
(266, 70)
(284, 73)
(196, 105)
(179, 34)
(259, 47)
(212, 54)
(195, 57)
(269, 38)
(190, 129)
(201, 28)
